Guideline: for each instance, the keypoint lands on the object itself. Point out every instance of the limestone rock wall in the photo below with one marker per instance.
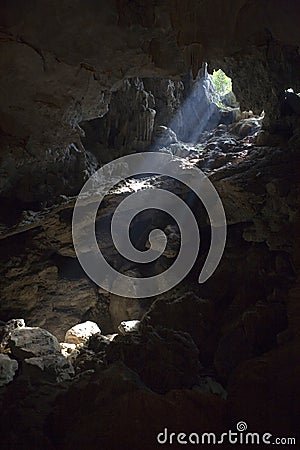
(60, 63)
(135, 110)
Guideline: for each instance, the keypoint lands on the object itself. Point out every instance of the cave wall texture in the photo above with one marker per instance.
(81, 83)
(60, 61)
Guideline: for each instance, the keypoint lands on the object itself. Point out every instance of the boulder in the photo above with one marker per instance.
(164, 136)
(8, 368)
(187, 313)
(129, 326)
(246, 127)
(164, 359)
(28, 342)
(53, 368)
(80, 333)
(92, 356)
(7, 328)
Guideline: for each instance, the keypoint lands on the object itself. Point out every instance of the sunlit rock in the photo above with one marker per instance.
(69, 351)
(111, 336)
(80, 333)
(129, 326)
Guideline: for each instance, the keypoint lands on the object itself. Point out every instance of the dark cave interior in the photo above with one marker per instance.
(82, 84)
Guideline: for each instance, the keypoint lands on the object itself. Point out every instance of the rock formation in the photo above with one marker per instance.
(81, 84)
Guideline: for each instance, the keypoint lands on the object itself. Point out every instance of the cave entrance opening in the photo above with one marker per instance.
(223, 86)
(147, 114)
(208, 102)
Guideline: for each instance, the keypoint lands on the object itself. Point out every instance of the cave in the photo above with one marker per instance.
(193, 337)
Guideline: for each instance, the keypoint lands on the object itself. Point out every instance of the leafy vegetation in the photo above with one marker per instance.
(222, 82)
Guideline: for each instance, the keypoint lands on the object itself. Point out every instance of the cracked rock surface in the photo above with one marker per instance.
(82, 83)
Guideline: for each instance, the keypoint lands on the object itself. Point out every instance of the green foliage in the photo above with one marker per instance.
(222, 82)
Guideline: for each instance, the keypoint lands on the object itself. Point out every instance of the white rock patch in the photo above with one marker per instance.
(129, 326)
(79, 334)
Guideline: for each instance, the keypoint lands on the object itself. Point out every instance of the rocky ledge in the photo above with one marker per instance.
(199, 351)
